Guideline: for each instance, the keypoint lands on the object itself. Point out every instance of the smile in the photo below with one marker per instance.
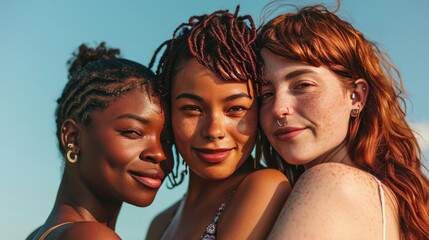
(151, 178)
(287, 133)
(212, 155)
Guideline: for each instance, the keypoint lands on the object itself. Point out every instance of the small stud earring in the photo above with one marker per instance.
(353, 96)
(354, 112)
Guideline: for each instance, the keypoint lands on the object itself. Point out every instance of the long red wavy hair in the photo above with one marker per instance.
(379, 140)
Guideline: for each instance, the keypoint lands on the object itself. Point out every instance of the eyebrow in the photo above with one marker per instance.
(200, 99)
(190, 96)
(235, 96)
(132, 116)
(298, 72)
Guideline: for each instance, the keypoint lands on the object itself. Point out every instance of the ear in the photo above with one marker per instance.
(360, 94)
(70, 134)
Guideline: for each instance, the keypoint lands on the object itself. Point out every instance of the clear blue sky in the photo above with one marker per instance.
(38, 37)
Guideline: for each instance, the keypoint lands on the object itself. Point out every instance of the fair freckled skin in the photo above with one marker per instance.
(211, 116)
(330, 200)
(318, 104)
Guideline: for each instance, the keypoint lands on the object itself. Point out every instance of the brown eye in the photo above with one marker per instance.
(237, 109)
(131, 133)
(303, 85)
(191, 108)
(266, 95)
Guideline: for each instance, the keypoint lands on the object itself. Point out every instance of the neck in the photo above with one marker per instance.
(201, 188)
(76, 202)
(338, 154)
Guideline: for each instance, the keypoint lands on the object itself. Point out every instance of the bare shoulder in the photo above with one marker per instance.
(264, 180)
(255, 205)
(260, 187)
(335, 201)
(85, 230)
(339, 178)
(161, 221)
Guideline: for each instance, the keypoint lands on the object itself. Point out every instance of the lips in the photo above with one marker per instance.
(151, 178)
(287, 133)
(213, 155)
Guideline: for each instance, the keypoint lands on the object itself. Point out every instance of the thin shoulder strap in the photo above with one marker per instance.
(381, 192)
(52, 229)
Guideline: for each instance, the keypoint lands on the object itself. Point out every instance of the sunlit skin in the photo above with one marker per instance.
(214, 123)
(121, 159)
(326, 198)
(317, 107)
(124, 145)
(205, 107)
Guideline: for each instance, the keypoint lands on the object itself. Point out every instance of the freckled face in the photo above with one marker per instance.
(319, 109)
(214, 121)
(121, 157)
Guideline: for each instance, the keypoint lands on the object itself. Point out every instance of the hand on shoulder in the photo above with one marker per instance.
(254, 206)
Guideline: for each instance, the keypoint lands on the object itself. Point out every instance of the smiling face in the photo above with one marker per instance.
(316, 104)
(214, 121)
(121, 156)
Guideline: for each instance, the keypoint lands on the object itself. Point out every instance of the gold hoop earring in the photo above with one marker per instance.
(69, 154)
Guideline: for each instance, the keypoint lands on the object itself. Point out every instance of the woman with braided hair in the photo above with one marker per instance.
(109, 128)
(210, 71)
(331, 103)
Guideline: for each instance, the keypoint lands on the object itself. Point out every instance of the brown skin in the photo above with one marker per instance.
(211, 114)
(122, 142)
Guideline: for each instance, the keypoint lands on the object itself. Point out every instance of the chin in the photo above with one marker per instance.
(142, 201)
(295, 160)
(217, 174)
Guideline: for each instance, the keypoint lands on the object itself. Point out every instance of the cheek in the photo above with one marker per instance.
(330, 113)
(183, 128)
(245, 128)
(114, 149)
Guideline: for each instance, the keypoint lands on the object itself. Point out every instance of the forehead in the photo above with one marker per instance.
(278, 68)
(139, 101)
(195, 77)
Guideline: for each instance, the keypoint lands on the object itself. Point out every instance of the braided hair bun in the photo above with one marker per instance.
(87, 55)
(96, 77)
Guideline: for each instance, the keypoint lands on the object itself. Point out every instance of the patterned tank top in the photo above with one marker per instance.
(211, 230)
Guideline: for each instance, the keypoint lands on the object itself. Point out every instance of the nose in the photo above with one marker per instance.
(153, 151)
(214, 127)
(282, 105)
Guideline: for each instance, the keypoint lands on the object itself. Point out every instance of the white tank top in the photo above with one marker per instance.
(381, 193)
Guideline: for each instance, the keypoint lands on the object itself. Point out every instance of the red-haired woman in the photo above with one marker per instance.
(330, 104)
(210, 71)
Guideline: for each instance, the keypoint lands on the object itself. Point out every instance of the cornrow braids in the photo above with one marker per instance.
(221, 41)
(96, 77)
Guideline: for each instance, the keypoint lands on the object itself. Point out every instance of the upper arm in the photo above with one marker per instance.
(331, 201)
(254, 206)
(86, 231)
